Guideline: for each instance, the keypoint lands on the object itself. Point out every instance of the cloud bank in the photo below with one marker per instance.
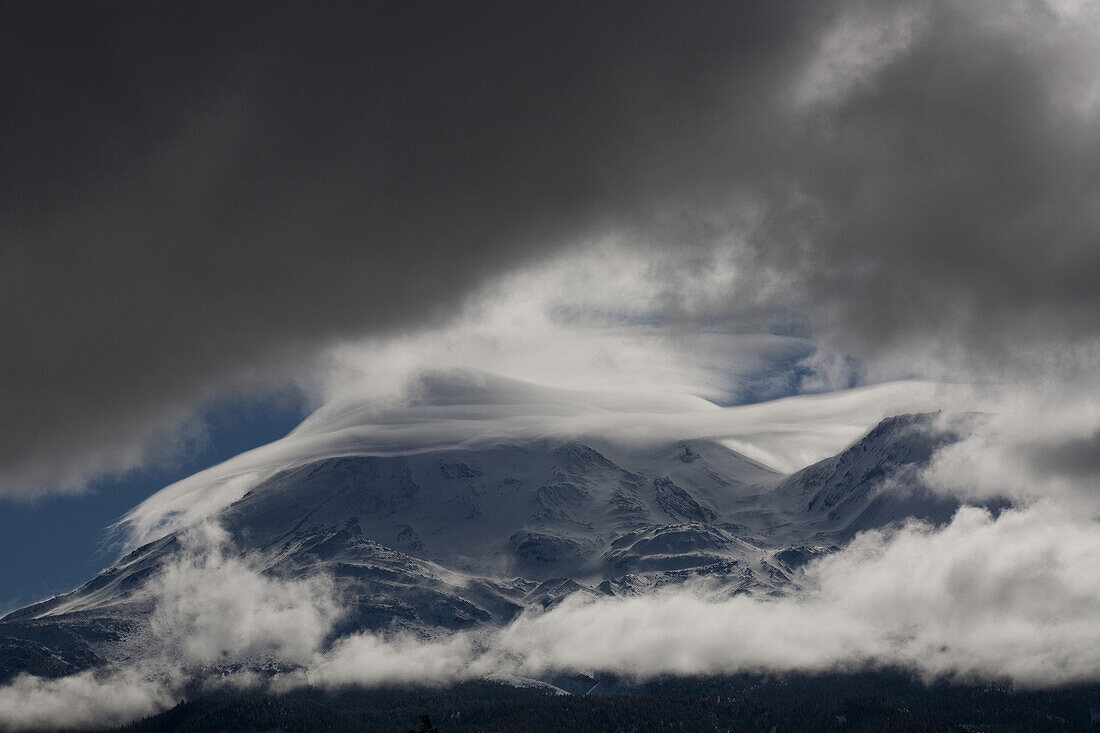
(85, 700)
(1008, 599)
(983, 599)
(1011, 598)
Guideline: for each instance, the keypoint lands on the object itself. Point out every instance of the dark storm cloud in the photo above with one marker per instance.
(193, 192)
(1079, 458)
(954, 196)
(200, 194)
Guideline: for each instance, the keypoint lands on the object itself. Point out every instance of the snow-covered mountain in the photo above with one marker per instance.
(457, 538)
(477, 497)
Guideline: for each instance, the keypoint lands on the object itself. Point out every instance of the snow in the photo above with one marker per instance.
(468, 410)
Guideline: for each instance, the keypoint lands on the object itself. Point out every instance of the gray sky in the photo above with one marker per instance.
(201, 197)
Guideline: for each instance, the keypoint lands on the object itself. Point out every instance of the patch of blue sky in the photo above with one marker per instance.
(54, 543)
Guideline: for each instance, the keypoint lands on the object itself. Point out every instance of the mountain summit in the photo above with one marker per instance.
(462, 538)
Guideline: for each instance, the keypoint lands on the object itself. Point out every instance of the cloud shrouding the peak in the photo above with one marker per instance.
(915, 179)
(1039, 445)
(449, 409)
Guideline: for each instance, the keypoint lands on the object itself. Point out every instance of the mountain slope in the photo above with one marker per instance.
(873, 483)
(463, 538)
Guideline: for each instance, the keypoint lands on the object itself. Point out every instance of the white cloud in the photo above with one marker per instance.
(214, 607)
(80, 701)
(471, 407)
(371, 660)
(1012, 598)
(1037, 445)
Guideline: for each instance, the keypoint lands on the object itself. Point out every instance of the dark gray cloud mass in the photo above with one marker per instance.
(201, 195)
(1078, 458)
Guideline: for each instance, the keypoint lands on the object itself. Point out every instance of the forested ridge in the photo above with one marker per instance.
(866, 702)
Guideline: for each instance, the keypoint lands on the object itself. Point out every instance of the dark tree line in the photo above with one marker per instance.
(872, 702)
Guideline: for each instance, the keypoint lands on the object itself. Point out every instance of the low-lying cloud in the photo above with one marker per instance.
(92, 699)
(213, 607)
(1009, 598)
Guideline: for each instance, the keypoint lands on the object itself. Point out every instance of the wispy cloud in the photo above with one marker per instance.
(450, 409)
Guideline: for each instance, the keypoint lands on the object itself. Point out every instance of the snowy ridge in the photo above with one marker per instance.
(468, 538)
(466, 410)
